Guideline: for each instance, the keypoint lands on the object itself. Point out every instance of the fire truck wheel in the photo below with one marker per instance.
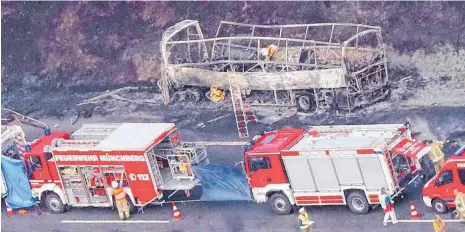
(280, 204)
(54, 203)
(357, 202)
(439, 206)
(306, 102)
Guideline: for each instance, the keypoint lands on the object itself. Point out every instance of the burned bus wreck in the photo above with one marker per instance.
(313, 66)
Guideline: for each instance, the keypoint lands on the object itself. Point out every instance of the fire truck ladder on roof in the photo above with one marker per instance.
(242, 111)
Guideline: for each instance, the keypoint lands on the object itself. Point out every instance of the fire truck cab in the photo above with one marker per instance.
(332, 165)
(438, 192)
(77, 170)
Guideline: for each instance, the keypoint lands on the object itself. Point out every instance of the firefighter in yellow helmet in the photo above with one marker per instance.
(460, 204)
(184, 166)
(216, 94)
(269, 52)
(304, 220)
(438, 224)
(436, 155)
(120, 199)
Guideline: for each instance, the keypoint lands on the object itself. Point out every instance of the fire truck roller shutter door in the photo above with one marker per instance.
(348, 171)
(324, 174)
(372, 173)
(301, 180)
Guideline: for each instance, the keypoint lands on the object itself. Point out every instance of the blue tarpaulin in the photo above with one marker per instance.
(19, 193)
(222, 183)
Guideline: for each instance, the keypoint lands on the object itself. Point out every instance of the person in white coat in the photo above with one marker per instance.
(388, 206)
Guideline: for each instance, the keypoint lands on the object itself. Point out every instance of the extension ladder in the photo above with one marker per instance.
(242, 111)
(389, 157)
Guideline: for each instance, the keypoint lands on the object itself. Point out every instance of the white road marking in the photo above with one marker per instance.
(225, 143)
(216, 119)
(113, 221)
(420, 221)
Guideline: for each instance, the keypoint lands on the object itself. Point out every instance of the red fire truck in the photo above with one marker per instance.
(438, 192)
(77, 170)
(332, 165)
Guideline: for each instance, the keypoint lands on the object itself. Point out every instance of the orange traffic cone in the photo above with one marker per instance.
(176, 214)
(413, 212)
(9, 211)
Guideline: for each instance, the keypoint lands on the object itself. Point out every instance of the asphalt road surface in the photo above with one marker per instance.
(250, 216)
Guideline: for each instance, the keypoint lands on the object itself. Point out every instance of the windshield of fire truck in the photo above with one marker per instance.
(401, 164)
(256, 163)
(35, 163)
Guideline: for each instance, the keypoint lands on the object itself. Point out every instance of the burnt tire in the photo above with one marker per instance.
(54, 204)
(194, 95)
(280, 204)
(306, 102)
(357, 202)
(439, 206)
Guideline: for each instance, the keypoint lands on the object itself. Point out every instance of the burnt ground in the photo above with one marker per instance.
(215, 121)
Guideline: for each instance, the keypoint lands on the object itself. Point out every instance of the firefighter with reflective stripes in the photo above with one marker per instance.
(304, 220)
(216, 94)
(460, 204)
(438, 224)
(269, 52)
(120, 200)
(436, 155)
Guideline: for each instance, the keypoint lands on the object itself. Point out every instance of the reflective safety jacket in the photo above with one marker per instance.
(460, 201)
(216, 95)
(271, 50)
(437, 224)
(119, 194)
(436, 154)
(304, 221)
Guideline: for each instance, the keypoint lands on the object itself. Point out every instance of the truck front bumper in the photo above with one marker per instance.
(427, 201)
(259, 195)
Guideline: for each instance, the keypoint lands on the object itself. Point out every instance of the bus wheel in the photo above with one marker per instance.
(54, 203)
(280, 204)
(357, 202)
(194, 95)
(439, 206)
(306, 102)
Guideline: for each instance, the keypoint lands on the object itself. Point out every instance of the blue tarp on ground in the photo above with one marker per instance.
(19, 193)
(222, 183)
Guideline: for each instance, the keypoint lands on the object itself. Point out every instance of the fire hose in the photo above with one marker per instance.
(43, 125)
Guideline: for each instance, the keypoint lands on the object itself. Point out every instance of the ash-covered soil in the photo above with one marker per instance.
(55, 55)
